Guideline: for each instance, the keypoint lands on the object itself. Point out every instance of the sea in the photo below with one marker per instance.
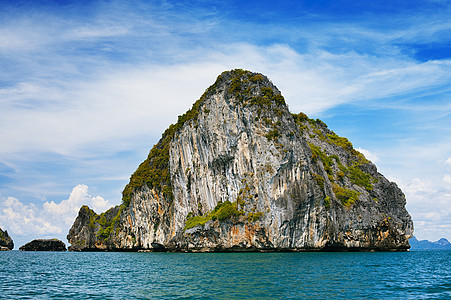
(296, 275)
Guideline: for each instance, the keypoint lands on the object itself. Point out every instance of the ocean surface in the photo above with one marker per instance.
(106, 275)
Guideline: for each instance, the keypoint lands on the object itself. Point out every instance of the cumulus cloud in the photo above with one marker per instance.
(23, 219)
(29, 221)
(428, 203)
(67, 210)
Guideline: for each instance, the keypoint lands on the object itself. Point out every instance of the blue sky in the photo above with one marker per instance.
(87, 87)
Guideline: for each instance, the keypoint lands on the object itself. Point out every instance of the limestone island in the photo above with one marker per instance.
(240, 172)
(44, 245)
(6, 242)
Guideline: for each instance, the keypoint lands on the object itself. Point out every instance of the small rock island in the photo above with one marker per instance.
(44, 245)
(240, 172)
(6, 242)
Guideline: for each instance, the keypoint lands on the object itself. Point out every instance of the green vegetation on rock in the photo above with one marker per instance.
(272, 135)
(327, 202)
(327, 161)
(353, 171)
(105, 222)
(92, 216)
(246, 88)
(257, 78)
(319, 180)
(360, 178)
(229, 210)
(222, 211)
(319, 128)
(346, 196)
(300, 118)
(254, 216)
(154, 171)
(107, 225)
(347, 146)
(340, 141)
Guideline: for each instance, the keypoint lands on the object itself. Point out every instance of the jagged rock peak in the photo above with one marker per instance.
(6, 242)
(238, 88)
(238, 171)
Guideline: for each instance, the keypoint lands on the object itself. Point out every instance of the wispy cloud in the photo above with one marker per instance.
(64, 117)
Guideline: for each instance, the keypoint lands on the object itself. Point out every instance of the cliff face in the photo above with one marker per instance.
(240, 172)
(6, 243)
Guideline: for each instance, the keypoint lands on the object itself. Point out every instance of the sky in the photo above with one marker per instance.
(88, 87)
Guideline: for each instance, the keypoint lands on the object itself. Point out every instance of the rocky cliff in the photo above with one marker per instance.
(6, 243)
(240, 172)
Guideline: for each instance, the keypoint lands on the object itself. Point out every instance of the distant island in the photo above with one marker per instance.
(6, 243)
(441, 244)
(44, 245)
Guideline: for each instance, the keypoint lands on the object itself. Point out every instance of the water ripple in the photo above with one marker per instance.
(72, 275)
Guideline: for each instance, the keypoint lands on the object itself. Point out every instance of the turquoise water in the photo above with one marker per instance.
(99, 275)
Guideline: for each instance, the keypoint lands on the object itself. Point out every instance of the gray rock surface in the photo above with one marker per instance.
(44, 245)
(239, 172)
(6, 242)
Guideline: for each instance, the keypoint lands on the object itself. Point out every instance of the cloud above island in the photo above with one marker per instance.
(119, 102)
(49, 219)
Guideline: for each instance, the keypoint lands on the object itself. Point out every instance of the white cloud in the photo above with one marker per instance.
(448, 162)
(369, 155)
(67, 210)
(23, 219)
(417, 186)
(447, 179)
(118, 103)
(92, 32)
(429, 205)
(29, 221)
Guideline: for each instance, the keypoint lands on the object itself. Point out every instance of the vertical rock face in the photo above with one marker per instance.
(240, 172)
(6, 243)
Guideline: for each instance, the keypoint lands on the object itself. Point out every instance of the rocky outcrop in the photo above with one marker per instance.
(91, 231)
(6, 243)
(44, 245)
(239, 172)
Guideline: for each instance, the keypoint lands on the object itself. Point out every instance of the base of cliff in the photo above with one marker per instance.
(244, 249)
